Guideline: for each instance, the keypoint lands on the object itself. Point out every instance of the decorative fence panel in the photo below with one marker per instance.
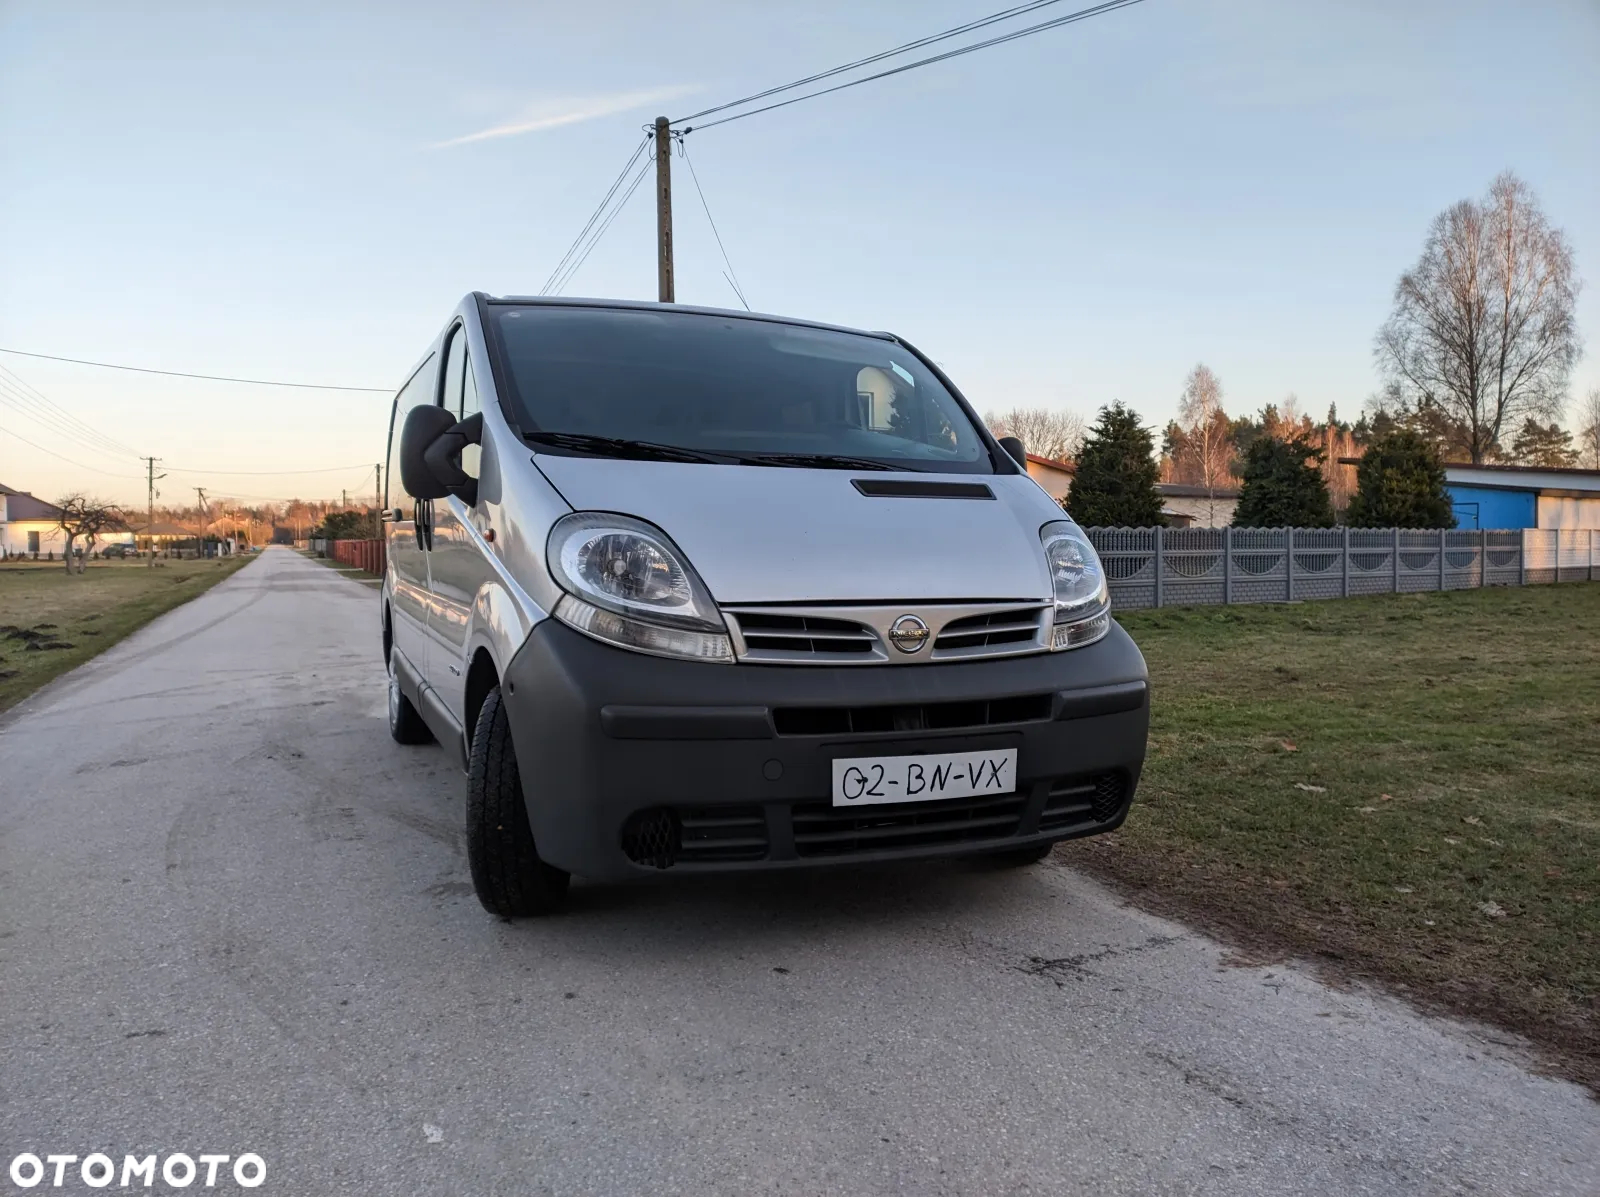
(1170, 567)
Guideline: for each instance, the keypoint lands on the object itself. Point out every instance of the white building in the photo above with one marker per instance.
(28, 526)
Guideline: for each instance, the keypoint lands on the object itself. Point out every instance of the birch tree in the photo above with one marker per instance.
(1482, 326)
(1209, 441)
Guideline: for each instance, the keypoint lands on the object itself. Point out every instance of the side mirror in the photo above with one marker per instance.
(430, 454)
(1019, 452)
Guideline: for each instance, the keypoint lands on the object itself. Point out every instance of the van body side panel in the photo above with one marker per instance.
(407, 580)
(488, 583)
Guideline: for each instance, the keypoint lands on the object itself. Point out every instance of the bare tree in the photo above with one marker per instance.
(1589, 429)
(1049, 432)
(1209, 440)
(1482, 326)
(79, 515)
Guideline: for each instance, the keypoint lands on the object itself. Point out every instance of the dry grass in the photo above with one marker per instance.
(1407, 787)
(51, 621)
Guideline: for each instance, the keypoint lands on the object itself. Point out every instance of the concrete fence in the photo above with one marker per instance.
(1169, 567)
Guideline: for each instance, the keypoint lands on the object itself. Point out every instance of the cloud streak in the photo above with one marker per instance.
(569, 110)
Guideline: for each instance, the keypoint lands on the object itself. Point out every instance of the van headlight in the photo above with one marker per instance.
(1083, 605)
(626, 583)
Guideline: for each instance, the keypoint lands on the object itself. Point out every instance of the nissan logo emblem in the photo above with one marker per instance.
(908, 634)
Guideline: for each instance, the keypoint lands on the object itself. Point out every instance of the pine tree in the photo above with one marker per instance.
(1400, 484)
(1115, 484)
(1283, 486)
(1541, 445)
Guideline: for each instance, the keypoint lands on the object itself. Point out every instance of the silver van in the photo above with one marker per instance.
(694, 590)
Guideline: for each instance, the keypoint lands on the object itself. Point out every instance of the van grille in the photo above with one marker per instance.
(929, 716)
(776, 635)
(823, 830)
(840, 634)
(665, 836)
(995, 629)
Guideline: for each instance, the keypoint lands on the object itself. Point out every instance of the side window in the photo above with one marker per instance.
(469, 407)
(418, 389)
(455, 360)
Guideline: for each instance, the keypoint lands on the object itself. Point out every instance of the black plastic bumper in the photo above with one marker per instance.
(631, 764)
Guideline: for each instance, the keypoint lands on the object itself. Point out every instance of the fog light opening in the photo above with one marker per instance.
(653, 838)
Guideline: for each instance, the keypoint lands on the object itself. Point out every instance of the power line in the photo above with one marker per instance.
(577, 264)
(39, 398)
(16, 395)
(732, 275)
(969, 27)
(258, 382)
(68, 460)
(563, 277)
(644, 169)
(1070, 18)
(268, 473)
(550, 283)
(13, 401)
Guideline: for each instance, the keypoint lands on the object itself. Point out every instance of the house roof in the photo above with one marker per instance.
(1052, 463)
(1191, 490)
(161, 528)
(1579, 471)
(20, 505)
(1547, 480)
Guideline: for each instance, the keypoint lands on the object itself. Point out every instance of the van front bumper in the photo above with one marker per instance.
(633, 764)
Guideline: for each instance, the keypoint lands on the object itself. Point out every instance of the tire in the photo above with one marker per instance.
(510, 878)
(1019, 858)
(405, 725)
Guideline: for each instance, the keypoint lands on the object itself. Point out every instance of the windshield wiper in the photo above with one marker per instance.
(816, 461)
(619, 446)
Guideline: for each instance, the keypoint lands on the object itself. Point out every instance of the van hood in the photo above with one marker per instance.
(759, 534)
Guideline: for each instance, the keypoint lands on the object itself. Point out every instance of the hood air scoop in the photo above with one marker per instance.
(907, 488)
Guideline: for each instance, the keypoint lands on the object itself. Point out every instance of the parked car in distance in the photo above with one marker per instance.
(689, 590)
(115, 552)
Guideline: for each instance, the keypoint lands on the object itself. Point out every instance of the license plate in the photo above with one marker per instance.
(867, 780)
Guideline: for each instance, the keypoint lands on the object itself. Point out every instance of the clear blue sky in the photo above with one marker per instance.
(1077, 217)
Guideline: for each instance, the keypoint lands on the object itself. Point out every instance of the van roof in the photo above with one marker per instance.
(562, 301)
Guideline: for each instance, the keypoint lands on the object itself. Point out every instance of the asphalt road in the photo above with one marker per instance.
(235, 917)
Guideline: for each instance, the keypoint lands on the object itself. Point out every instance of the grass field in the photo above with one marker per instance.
(1406, 788)
(51, 622)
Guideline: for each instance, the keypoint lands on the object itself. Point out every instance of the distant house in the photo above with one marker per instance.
(1183, 505)
(1511, 496)
(1055, 476)
(161, 535)
(28, 526)
(1192, 505)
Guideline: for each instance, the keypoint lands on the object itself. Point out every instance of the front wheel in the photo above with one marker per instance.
(510, 878)
(405, 724)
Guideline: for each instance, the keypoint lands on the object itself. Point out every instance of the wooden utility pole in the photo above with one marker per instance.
(200, 541)
(664, 210)
(150, 507)
(377, 502)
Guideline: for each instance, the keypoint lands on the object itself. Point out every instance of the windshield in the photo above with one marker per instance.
(731, 388)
